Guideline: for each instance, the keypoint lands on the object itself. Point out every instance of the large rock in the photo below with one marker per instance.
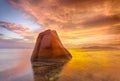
(49, 46)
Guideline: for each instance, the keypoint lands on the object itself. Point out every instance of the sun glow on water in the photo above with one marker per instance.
(97, 58)
(92, 65)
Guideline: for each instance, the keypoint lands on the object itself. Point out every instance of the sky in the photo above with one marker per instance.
(79, 23)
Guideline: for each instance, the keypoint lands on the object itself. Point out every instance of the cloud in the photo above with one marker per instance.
(14, 27)
(50, 16)
(20, 30)
(76, 20)
(6, 42)
(113, 30)
(65, 14)
(1, 34)
(102, 20)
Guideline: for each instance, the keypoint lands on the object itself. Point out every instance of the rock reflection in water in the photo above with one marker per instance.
(47, 71)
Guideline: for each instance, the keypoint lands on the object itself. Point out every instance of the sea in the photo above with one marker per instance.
(85, 65)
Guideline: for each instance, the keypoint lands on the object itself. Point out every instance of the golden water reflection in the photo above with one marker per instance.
(99, 65)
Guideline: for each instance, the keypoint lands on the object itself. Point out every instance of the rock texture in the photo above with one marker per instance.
(49, 46)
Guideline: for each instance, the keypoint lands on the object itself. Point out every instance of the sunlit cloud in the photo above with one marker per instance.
(76, 21)
(102, 21)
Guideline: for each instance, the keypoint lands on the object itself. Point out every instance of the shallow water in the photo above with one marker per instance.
(86, 65)
(15, 65)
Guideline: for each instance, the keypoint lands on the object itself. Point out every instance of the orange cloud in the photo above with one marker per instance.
(76, 20)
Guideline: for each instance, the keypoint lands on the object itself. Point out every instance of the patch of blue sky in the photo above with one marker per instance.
(9, 14)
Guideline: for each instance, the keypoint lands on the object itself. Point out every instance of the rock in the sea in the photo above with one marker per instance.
(49, 46)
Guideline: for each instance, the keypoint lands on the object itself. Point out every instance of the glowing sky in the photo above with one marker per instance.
(78, 22)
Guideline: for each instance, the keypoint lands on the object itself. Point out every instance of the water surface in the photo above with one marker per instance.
(86, 65)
